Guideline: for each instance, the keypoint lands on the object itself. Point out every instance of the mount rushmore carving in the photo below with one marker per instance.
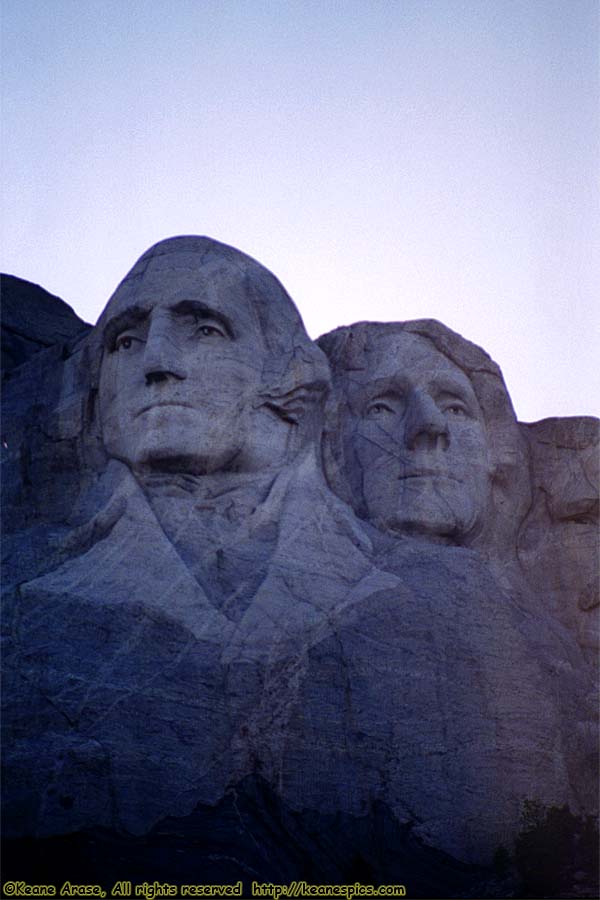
(281, 609)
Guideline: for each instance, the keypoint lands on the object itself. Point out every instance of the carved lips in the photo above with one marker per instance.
(150, 406)
(428, 473)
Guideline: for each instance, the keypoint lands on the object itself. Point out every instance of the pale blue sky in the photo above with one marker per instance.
(386, 160)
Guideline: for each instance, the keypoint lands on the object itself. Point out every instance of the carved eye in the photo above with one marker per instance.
(378, 409)
(210, 330)
(456, 409)
(125, 342)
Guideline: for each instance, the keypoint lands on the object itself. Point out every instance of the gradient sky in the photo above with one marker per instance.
(386, 160)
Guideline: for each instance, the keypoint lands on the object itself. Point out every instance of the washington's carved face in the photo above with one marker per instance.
(181, 368)
(420, 439)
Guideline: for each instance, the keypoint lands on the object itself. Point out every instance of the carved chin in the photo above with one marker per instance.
(179, 440)
(437, 508)
(195, 460)
(428, 524)
(432, 518)
(194, 454)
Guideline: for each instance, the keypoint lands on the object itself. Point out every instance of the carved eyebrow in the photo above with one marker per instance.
(202, 311)
(127, 319)
(390, 384)
(360, 394)
(449, 386)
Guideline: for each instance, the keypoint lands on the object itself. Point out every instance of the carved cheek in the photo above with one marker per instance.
(379, 439)
(469, 445)
(223, 369)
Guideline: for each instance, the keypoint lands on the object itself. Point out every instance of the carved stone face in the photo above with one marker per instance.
(182, 363)
(420, 438)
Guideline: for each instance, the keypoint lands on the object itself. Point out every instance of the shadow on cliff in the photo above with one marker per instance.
(251, 836)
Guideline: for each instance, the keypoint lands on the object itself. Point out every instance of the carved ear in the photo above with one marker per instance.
(293, 405)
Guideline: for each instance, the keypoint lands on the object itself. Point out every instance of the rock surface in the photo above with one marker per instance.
(266, 622)
(558, 545)
(33, 319)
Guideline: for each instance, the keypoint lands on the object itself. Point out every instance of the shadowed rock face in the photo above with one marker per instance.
(32, 320)
(213, 651)
(202, 550)
(558, 544)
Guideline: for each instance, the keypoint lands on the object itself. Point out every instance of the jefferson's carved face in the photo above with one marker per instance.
(420, 439)
(181, 368)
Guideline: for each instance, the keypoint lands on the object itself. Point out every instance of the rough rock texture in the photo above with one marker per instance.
(422, 441)
(260, 623)
(33, 319)
(558, 545)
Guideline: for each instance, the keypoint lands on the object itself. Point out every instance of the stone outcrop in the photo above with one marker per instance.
(558, 545)
(276, 610)
(32, 320)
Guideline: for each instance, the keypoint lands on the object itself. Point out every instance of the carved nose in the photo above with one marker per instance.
(162, 357)
(156, 376)
(425, 425)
